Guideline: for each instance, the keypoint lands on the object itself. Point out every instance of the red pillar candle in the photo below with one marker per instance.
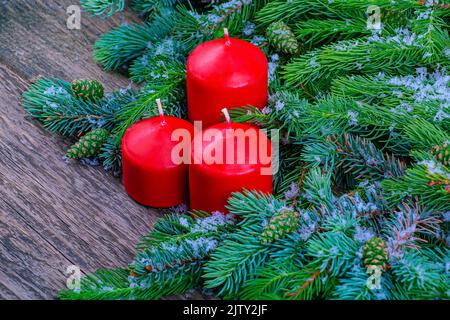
(226, 158)
(150, 175)
(225, 72)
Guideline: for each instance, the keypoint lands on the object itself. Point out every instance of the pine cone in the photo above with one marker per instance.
(375, 253)
(442, 153)
(282, 38)
(89, 145)
(87, 89)
(281, 224)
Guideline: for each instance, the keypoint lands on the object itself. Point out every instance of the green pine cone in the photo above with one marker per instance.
(87, 89)
(280, 225)
(375, 253)
(282, 38)
(442, 153)
(89, 145)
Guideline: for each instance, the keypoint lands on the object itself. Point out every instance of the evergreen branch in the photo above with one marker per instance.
(176, 228)
(167, 88)
(246, 203)
(418, 274)
(151, 7)
(365, 161)
(52, 103)
(194, 28)
(103, 284)
(353, 286)
(428, 181)
(123, 44)
(334, 251)
(317, 188)
(244, 254)
(111, 156)
(400, 52)
(271, 281)
(316, 32)
(103, 7)
(154, 64)
(295, 10)
(406, 225)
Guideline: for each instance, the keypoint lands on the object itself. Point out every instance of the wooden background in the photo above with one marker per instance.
(54, 214)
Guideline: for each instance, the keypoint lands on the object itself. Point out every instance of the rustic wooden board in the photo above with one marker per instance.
(54, 214)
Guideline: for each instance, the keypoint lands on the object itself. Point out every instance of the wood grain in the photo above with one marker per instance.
(52, 213)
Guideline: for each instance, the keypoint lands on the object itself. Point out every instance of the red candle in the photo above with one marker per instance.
(226, 158)
(224, 73)
(150, 175)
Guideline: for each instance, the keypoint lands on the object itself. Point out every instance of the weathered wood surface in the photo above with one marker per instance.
(54, 214)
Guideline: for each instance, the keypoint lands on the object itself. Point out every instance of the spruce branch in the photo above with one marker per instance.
(194, 28)
(51, 102)
(427, 180)
(125, 43)
(150, 7)
(167, 88)
(104, 8)
(170, 260)
(406, 227)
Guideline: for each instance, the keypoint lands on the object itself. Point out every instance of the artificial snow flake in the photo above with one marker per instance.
(292, 192)
(279, 105)
(249, 28)
(272, 67)
(446, 216)
(212, 222)
(363, 234)
(314, 62)
(266, 110)
(353, 118)
(258, 40)
(432, 166)
(183, 221)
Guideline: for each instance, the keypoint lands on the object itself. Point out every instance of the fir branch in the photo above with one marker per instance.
(194, 28)
(106, 284)
(104, 8)
(398, 51)
(317, 188)
(418, 274)
(365, 161)
(167, 88)
(334, 251)
(423, 95)
(353, 286)
(428, 181)
(123, 44)
(406, 225)
(316, 32)
(150, 7)
(52, 103)
(244, 254)
(271, 281)
(157, 60)
(111, 156)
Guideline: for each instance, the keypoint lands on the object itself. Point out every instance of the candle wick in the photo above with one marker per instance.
(161, 111)
(227, 117)
(227, 37)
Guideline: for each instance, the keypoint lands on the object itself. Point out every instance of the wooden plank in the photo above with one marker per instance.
(26, 273)
(38, 42)
(53, 213)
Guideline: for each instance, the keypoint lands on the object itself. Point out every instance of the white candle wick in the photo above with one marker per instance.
(227, 117)
(227, 36)
(161, 111)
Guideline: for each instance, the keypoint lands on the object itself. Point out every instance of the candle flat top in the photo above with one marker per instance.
(232, 65)
(149, 143)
